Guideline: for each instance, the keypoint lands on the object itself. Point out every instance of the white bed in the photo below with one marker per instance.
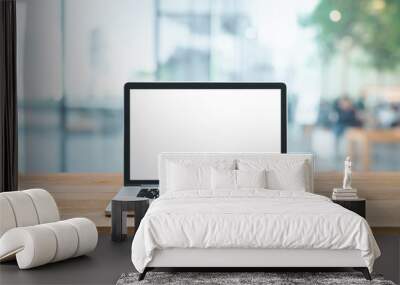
(240, 227)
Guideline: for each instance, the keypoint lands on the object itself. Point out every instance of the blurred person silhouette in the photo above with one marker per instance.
(363, 111)
(345, 116)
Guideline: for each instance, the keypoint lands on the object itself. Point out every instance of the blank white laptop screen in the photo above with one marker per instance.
(200, 120)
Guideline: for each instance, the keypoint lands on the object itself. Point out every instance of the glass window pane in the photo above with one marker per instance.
(341, 72)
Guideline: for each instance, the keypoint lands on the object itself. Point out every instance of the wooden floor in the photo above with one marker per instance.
(87, 194)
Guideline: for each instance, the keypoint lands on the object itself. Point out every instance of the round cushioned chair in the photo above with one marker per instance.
(31, 230)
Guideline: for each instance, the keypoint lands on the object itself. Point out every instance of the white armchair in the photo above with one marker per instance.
(31, 230)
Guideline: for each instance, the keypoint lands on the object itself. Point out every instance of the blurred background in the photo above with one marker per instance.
(339, 59)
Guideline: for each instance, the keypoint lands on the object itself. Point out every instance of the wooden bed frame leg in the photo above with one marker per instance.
(364, 271)
(143, 274)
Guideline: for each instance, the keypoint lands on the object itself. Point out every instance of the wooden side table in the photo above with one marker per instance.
(358, 206)
(119, 209)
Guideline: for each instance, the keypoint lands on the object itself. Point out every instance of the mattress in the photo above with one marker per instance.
(250, 219)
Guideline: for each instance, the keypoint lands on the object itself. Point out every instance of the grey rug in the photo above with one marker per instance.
(225, 278)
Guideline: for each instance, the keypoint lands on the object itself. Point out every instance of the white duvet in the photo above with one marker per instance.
(250, 219)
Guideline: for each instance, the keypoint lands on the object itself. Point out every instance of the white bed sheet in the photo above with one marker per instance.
(250, 218)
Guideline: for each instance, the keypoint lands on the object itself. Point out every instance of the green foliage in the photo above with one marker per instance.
(372, 25)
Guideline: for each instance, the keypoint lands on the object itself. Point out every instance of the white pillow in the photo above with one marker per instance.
(282, 174)
(188, 177)
(251, 178)
(223, 179)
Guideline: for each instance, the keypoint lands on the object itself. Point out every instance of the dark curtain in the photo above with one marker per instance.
(8, 97)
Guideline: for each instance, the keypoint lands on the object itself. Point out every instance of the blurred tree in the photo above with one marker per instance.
(372, 25)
